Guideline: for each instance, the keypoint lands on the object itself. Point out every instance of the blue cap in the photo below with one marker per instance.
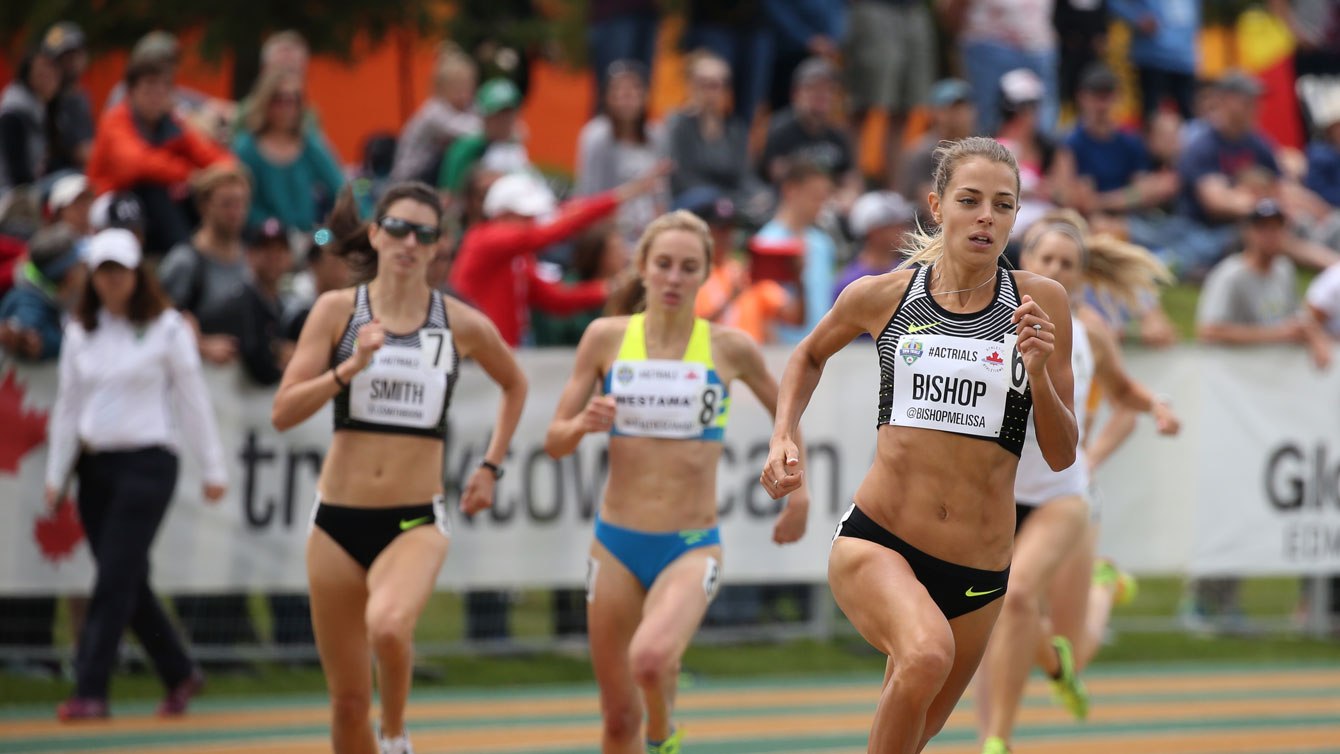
(948, 91)
(709, 203)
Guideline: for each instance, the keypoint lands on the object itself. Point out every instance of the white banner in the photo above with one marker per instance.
(1269, 466)
(539, 530)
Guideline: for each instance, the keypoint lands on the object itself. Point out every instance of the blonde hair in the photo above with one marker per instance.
(265, 91)
(1124, 270)
(928, 246)
(452, 63)
(629, 296)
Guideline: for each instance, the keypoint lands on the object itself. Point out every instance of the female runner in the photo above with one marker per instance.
(966, 349)
(388, 353)
(1054, 553)
(664, 378)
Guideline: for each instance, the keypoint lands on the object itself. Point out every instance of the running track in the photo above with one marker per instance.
(1168, 710)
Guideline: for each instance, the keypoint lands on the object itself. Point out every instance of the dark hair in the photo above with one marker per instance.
(801, 169)
(144, 68)
(25, 69)
(350, 233)
(146, 303)
(589, 249)
(635, 69)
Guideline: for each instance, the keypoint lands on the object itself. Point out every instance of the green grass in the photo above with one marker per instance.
(531, 617)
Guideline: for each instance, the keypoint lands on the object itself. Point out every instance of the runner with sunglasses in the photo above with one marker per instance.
(388, 353)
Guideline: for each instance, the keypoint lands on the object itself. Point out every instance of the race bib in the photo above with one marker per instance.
(665, 399)
(401, 388)
(439, 352)
(954, 384)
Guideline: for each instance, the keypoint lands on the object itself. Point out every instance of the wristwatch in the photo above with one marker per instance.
(491, 466)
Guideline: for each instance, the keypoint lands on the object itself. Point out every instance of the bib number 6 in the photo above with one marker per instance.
(1018, 373)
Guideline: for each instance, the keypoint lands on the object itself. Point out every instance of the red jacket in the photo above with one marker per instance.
(495, 267)
(122, 156)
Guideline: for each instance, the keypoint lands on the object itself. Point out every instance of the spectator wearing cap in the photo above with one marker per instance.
(1225, 169)
(620, 30)
(1021, 96)
(204, 273)
(805, 131)
(130, 392)
(1252, 297)
(1102, 167)
(23, 120)
(801, 29)
(497, 147)
(117, 209)
(1323, 151)
(707, 146)
(620, 144)
(731, 296)
(256, 309)
(292, 169)
(1003, 35)
(806, 189)
(1163, 49)
(70, 113)
(70, 201)
(599, 253)
(495, 266)
(732, 32)
(879, 220)
(141, 146)
(890, 59)
(46, 286)
(953, 117)
(447, 115)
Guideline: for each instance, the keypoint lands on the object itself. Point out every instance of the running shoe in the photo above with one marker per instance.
(397, 745)
(82, 708)
(995, 745)
(1067, 689)
(1125, 587)
(179, 696)
(670, 745)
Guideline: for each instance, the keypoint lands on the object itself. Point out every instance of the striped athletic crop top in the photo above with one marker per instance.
(407, 387)
(955, 372)
(663, 398)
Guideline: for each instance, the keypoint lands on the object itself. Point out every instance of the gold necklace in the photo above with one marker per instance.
(961, 290)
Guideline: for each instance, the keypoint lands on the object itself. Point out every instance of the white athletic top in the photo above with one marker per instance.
(1035, 483)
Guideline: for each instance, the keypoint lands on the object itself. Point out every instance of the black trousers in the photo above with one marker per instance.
(122, 499)
(1157, 85)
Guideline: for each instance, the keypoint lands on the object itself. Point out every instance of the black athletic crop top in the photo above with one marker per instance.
(407, 387)
(955, 372)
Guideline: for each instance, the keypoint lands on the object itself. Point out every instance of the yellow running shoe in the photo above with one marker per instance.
(670, 745)
(995, 745)
(1067, 689)
(1124, 585)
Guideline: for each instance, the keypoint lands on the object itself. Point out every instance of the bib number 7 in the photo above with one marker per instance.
(438, 354)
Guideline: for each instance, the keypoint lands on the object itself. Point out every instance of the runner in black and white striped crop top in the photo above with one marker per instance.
(957, 372)
(407, 387)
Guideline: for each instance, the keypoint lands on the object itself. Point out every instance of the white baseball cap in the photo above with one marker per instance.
(878, 209)
(519, 193)
(114, 245)
(66, 190)
(1021, 86)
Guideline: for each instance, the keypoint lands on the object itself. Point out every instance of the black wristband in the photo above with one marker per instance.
(491, 466)
(335, 372)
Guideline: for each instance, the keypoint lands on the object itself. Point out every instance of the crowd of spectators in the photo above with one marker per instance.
(228, 198)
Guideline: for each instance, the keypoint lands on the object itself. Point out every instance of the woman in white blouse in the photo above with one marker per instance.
(129, 372)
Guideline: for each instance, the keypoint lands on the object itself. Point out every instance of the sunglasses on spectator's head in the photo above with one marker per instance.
(398, 228)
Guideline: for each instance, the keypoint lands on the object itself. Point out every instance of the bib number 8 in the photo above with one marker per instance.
(709, 412)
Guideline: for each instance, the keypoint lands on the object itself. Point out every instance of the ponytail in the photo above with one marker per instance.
(349, 233)
(1125, 270)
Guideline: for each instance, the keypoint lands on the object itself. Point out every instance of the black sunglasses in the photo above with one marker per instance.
(398, 228)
